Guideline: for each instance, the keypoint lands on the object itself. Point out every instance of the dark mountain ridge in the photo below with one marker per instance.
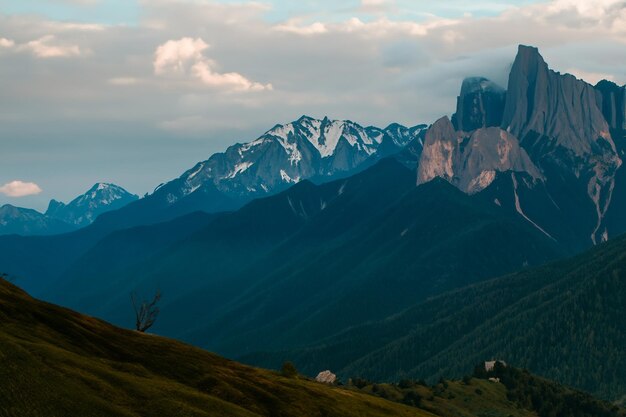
(562, 320)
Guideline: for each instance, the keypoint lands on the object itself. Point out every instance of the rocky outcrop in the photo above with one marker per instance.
(479, 105)
(441, 148)
(470, 162)
(492, 150)
(326, 377)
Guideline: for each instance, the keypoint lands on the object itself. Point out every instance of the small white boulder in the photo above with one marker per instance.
(326, 377)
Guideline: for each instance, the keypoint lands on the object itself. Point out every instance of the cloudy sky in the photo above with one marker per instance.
(136, 91)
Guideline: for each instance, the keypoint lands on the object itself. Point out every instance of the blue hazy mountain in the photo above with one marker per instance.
(84, 209)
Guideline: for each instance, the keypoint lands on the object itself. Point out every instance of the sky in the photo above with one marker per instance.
(135, 92)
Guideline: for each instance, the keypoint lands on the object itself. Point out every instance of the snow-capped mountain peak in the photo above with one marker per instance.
(84, 209)
(287, 153)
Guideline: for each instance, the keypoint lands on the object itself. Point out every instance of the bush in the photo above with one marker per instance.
(406, 383)
(289, 370)
(412, 398)
(360, 383)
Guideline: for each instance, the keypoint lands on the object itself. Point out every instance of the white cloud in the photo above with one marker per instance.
(6, 43)
(202, 70)
(20, 189)
(185, 57)
(79, 27)
(295, 26)
(43, 47)
(177, 55)
(47, 47)
(378, 28)
(124, 81)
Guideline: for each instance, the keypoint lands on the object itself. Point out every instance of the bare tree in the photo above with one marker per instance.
(146, 312)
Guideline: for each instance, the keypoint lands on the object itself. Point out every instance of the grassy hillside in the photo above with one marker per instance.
(58, 363)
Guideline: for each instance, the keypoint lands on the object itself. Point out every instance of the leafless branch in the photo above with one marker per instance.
(145, 312)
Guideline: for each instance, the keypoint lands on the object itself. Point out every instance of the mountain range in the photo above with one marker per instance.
(23, 221)
(63, 218)
(308, 148)
(382, 252)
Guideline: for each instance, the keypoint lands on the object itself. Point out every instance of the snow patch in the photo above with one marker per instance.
(286, 178)
(193, 174)
(193, 188)
(239, 168)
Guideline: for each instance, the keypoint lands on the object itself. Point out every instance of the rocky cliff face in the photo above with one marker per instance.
(471, 161)
(552, 128)
(613, 104)
(559, 107)
(479, 105)
(559, 121)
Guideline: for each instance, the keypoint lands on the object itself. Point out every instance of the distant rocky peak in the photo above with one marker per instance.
(440, 151)
(54, 205)
(471, 161)
(84, 209)
(558, 107)
(559, 120)
(479, 105)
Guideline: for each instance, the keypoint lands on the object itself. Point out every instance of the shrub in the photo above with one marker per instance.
(289, 370)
